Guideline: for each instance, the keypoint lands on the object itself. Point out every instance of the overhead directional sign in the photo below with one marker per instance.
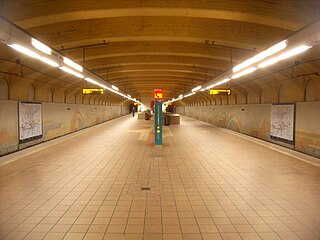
(220, 91)
(92, 91)
(158, 94)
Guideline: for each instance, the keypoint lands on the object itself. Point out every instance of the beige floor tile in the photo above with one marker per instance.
(61, 228)
(211, 236)
(15, 235)
(116, 229)
(54, 236)
(269, 236)
(170, 221)
(35, 236)
(96, 228)
(73, 236)
(250, 236)
(172, 236)
(231, 236)
(113, 236)
(130, 229)
(93, 236)
(171, 229)
(189, 236)
(209, 228)
(188, 221)
(186, 229)
(43, 227)
(228, 228)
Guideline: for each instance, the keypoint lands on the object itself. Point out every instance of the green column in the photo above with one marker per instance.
(158, 122)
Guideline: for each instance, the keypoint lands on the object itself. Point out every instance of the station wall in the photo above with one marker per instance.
(254, 120)
(58, 119)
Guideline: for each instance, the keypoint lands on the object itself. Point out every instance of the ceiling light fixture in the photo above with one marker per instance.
(270, 51)
(49, 62)
(294, 52)
(196, 89)
(284, 55)
(72, 64)
(115, 88)
(24, 50)
(40, 46)
(222, 81)
(190, 94)
(244, 72)
(68, 70)
(91, 81)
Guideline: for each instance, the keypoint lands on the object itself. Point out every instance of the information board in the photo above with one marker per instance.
(282, 122)
(30, 121)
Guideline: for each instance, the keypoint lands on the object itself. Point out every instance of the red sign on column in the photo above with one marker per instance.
(158, 94)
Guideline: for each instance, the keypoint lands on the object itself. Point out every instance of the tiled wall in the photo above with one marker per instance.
(254, 120)
(58, 119)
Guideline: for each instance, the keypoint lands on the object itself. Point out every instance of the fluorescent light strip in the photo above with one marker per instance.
(222, 81)
(270, 51)
(49, 62)
(115, 88)
(294, 52)
(269, 62)
(68, 70)
(245, 72)
(72, 64)
(24, 50)
(211, 86)
(284, 55)
(40, 46)
(91, 81)
(188, 95)
(196, 89)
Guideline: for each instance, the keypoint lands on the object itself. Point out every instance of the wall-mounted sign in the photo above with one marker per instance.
(30, 121)
(158, 94)
(220, 91)
(282, 122)
(92, 91)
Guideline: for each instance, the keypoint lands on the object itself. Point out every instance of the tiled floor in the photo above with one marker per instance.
(204, 184)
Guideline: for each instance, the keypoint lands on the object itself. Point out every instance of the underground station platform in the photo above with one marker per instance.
(159, 120)
(111, 182)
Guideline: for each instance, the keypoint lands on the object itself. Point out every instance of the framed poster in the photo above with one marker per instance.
(282, 122)
(30, 121)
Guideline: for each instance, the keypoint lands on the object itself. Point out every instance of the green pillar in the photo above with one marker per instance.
(158, 122)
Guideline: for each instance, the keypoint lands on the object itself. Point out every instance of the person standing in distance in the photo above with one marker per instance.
(133, 111)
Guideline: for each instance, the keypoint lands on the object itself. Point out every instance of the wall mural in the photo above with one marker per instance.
(299, 122)
(45, 121)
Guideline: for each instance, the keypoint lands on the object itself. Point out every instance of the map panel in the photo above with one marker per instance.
(282, 121)
(30, 121)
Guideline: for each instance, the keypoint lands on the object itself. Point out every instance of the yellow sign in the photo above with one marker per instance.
(92, 91)
(158, 95)
(220, 91)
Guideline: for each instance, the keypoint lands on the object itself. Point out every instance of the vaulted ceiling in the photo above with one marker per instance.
(140, 45)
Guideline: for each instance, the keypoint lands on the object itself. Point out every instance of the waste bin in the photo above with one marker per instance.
(167, 120)
(146, 116)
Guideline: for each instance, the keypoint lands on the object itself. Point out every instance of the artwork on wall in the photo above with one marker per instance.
(282, 122)
(30, 121)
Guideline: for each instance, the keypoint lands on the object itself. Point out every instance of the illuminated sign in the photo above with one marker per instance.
(92, 91)
(158, 94)
(220, 91)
